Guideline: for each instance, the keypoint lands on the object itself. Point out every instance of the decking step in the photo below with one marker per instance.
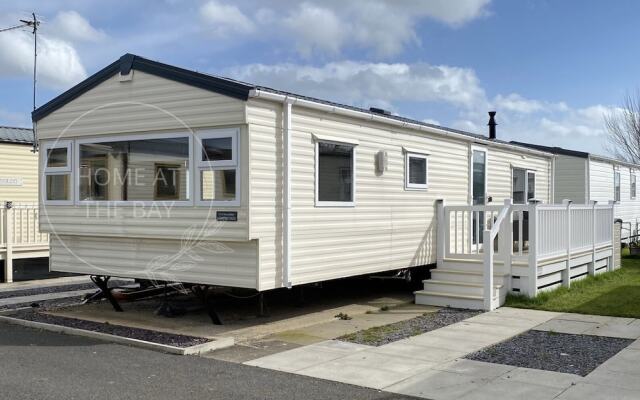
(455, 275)
(463, 288)
(454, 300)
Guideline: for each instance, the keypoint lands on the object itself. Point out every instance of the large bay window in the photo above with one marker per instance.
(218, 179)
(335, 174)
(57, 171)
(154, 169)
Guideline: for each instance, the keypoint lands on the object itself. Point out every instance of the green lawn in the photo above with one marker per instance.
(614, 293)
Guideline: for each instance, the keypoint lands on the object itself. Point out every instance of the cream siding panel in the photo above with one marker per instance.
(499, 179)
(601, 181)
(175, 222)
(390, 227)
(145, 103)
(571, 178)
(225, 264)
(18, 161)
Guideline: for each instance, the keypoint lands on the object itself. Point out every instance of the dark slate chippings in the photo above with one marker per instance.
(118, 330)
(414, 326)
(550, 351)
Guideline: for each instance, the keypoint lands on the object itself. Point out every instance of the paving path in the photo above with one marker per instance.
(430, 365)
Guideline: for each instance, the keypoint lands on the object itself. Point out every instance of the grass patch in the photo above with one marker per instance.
(615, 294)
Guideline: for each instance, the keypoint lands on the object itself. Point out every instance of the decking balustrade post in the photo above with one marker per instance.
(566, 278)
(8, 236)
(532, 280)
(440, 239)
(488, 271)
(610, 265)
(592, 266)
(505, 245)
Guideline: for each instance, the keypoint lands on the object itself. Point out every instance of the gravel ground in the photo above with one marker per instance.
(118, 330)
(550, 351)
(380, 335)
(55, 289)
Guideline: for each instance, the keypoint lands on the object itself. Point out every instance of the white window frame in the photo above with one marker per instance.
(205, 165)
(66, 170)
(632, 176)
(125, 138)
(407, 165)
(320, 203)
(527, 171)
(485, 150)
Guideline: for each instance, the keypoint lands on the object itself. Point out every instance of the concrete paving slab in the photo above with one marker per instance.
(566, 326)
(438, 385)
(404, 348)
(530, 315)
(545, 378)
(40, 283)
(598, 319)
(635, 345)
(583, 390)
(627, 361)
(619, 330)
(448, 342)
(302, 357)
(500, 388)
(247, 352)
(369, 369)
(42, 297)
(620, 379)
(478, 369)
(500, 320)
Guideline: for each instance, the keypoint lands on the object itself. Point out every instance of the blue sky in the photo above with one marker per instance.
(550, 68)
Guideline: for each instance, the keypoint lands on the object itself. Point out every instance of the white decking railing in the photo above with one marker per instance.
(539, 245)
(20, 235)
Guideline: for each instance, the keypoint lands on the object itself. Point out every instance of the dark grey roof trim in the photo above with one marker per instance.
(554, 150)
(222, 86)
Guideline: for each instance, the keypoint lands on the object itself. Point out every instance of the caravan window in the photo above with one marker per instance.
(57, 170)
(523, 185)
(134, 170)
(218, 179)
(416, 171)
(335, 174)
(616, 186)
(633, 185)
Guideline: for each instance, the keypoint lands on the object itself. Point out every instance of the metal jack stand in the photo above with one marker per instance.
(102, 282)
(263, 310)
(203, 293)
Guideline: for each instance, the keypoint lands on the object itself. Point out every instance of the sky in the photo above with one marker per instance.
(551, 69)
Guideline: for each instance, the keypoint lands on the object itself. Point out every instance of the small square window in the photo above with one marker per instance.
(218, 185)
(57, 187)
(416, 171)
(217, 149)
(57, 157)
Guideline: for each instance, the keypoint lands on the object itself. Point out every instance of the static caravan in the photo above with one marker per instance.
(19, 236)
(584, 177)
(156, 172)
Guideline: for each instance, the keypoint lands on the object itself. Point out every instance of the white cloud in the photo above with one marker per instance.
(515, 102)
(73, 26)
(224, 20)
(58, 62)
(384, 27)
(370, 83)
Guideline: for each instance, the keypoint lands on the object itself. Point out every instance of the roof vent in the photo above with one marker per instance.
(492, 125)
(379, 111)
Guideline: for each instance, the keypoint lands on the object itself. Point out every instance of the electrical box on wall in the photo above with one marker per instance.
(381, 161)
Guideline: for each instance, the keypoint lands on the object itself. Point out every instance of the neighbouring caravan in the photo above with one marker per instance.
(19, 235)
(583, 177)
(156, 172)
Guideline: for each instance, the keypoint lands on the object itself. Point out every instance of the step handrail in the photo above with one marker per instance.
(488, 236)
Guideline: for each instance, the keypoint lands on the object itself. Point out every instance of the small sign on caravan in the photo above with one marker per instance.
(10, 181)
(226, 216)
